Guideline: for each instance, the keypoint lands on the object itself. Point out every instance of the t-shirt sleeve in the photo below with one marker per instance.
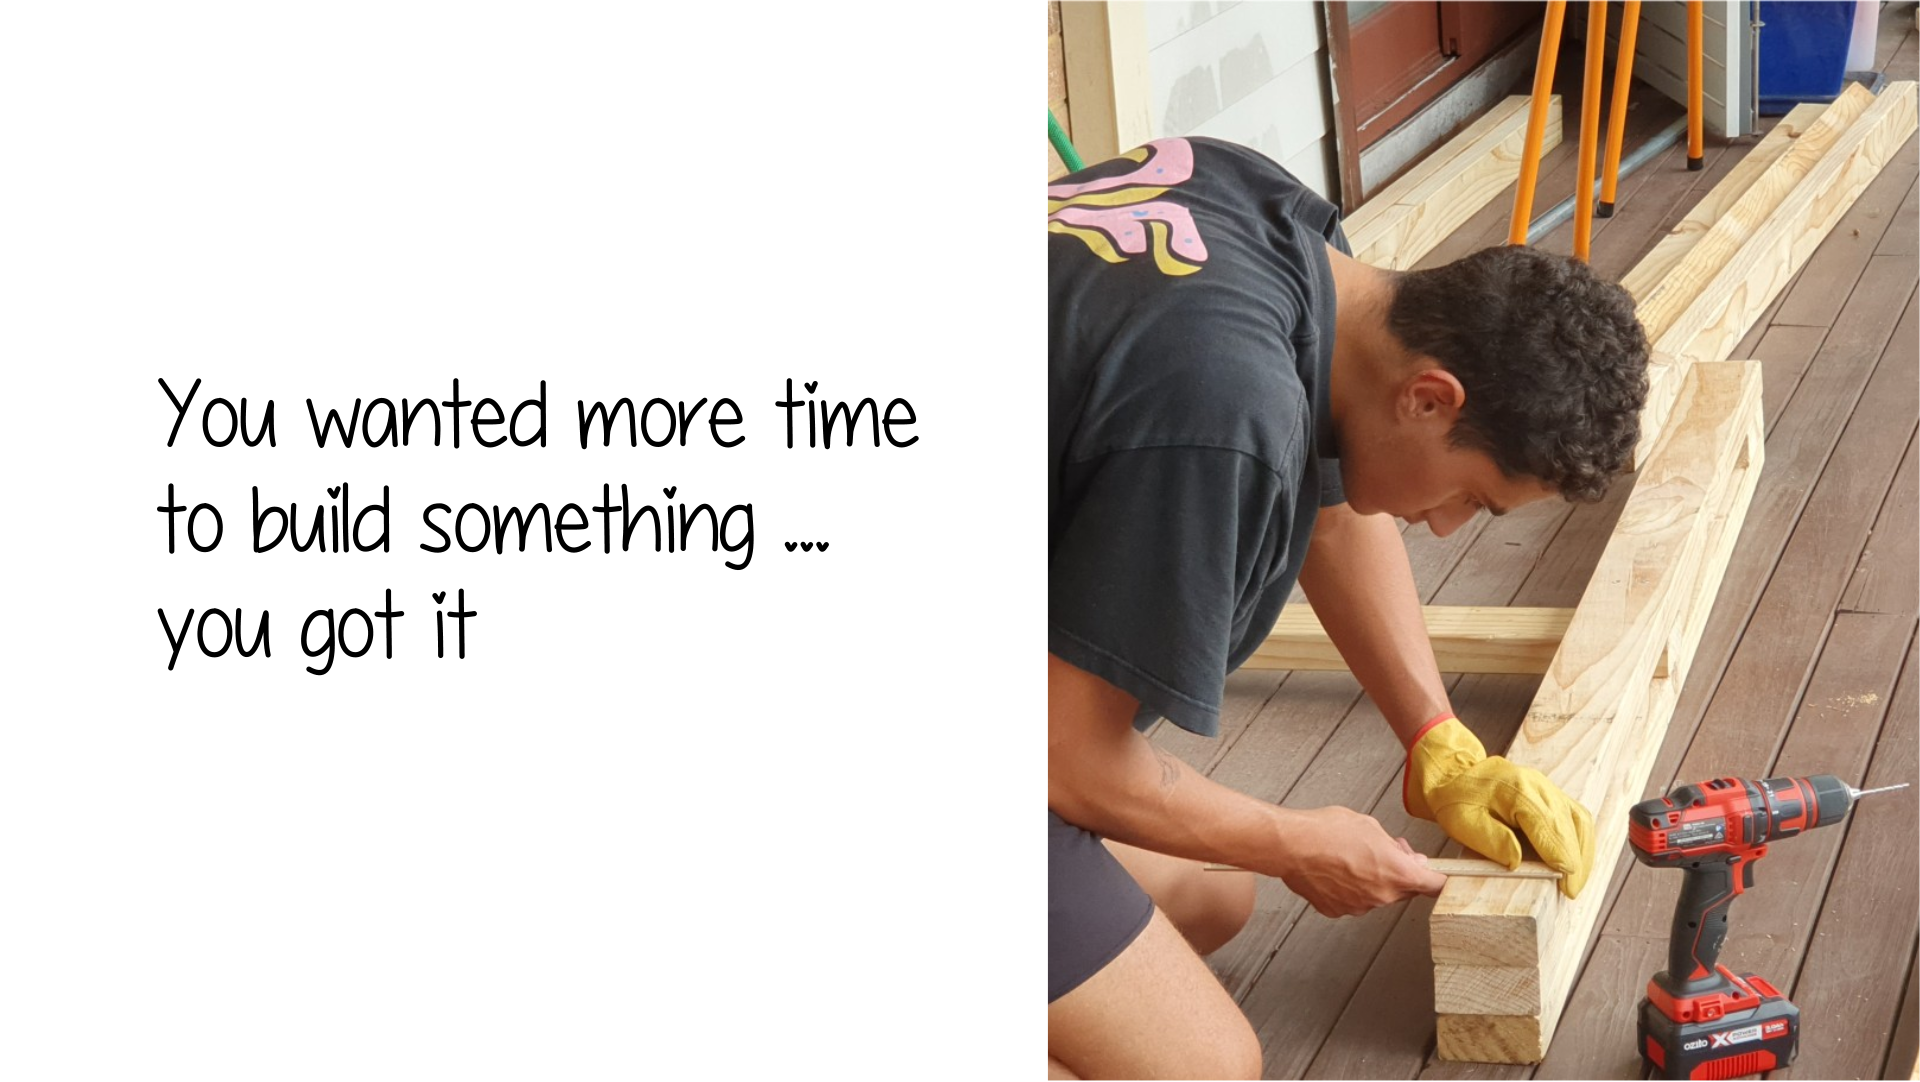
(1332, 492)
(1153, 576)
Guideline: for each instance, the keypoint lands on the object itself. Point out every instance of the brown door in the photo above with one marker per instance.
(1392, 58)
(1395, 47)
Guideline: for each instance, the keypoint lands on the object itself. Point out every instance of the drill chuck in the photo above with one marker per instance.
(1833, 798)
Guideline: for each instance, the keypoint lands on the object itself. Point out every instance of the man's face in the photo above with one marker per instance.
(1398, 460)
(1434, 483)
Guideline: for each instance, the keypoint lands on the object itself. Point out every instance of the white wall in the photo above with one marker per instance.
(1660, 57)
(1252, 73)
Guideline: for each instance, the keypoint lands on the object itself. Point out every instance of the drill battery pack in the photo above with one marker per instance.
(1712, 1044)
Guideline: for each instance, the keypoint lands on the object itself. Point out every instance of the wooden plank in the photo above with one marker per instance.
(1906, 59)
(1105, 46)
(1466, 638)
(1832, 732)
(1483, 989)
(1651, 203)
(1784, 634)
(1893, 29)
(1849, 989)
(1421, 208)
(1903, 1055)
(1556, 954)
(1507, 929)
(1489, 227)
(1372, 1038)
(1313, 973)
(1793, 537)
(1661, 305)
(1903, 236)
(1646, 275)
(1768, 260)
(1858, 237)
(1884, 579)
(1270, 757)
(1785, 354)
(1056, 89)
(1597, 721)
(1386, 1029)
(1438, 161)
(1368, 1041)
(1802, 439)
(1627, 614)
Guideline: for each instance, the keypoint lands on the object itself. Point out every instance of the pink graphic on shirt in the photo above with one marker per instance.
(1163, 162)
(1122, 217)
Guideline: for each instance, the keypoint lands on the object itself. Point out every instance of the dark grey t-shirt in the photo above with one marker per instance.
(1191, 315)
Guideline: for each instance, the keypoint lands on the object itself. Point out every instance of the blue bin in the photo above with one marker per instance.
(1803, 52)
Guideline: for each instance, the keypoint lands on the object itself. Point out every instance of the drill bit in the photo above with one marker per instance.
(1858, 793)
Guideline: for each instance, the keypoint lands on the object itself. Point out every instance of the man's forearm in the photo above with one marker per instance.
(1106, 777)
(1361, 585)
(1145, 796)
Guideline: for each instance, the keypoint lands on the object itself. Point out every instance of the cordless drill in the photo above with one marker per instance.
(1700, 1020)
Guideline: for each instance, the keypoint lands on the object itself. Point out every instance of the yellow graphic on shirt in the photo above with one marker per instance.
(1123, 216)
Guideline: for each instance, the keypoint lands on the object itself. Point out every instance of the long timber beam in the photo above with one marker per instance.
(1398, 227)
(1687, 277)
(1646, 274)
(1761, 266)
(1466, 639)
(1597, 723)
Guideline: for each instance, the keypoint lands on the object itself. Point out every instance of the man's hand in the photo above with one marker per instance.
(1479, 800)
(1346, 865)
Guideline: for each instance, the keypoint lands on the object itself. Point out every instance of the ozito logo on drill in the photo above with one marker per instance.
(1700, 1019)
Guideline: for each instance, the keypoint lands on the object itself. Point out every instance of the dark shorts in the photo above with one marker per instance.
(1094, 908)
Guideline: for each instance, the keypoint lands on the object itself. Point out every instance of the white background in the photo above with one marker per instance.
(666, 816)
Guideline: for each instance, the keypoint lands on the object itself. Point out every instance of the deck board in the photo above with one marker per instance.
(1814, 299)
(1905, 1049)
(1851, 983)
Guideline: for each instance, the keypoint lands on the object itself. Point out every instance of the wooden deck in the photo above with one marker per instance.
(1808, 665)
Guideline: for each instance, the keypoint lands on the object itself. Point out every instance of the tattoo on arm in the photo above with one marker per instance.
(1169, 767)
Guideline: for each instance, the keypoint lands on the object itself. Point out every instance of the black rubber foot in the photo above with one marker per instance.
(1605, 210)
(1694, 165)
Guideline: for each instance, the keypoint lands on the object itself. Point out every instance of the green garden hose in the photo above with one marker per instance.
(1062, 145)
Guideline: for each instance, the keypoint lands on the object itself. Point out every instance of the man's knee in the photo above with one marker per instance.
(1209, 908)
(1155, 1011)
(1227, 909)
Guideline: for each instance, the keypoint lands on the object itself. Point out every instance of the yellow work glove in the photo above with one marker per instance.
(1479, 800)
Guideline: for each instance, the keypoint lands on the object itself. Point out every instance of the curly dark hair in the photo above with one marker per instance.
(1552, 358)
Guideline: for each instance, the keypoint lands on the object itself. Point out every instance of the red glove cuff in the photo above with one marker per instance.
(1438, 718)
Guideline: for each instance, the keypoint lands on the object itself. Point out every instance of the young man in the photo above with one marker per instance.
(1235, 404)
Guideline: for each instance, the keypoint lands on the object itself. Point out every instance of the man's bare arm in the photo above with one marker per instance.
(1361, 585)
(1104, 776)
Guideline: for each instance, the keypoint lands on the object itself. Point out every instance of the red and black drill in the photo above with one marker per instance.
(1699, 1020)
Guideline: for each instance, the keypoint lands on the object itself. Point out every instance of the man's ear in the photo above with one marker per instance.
(1433, 393)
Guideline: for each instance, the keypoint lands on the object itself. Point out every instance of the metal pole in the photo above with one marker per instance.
(1536, 121)
(1617, 123)
(1590, 124)
(1563, 210)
